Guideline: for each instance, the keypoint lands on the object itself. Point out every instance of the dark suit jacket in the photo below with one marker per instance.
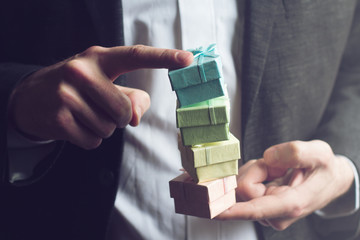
(301, 80)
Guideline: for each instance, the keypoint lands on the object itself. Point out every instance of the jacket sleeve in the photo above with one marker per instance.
(340, 127)
(10, 75)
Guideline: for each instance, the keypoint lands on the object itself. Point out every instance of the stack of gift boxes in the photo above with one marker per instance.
(209, 152)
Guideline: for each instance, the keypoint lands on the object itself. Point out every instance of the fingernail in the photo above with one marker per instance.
(138, 112)
(264, 223)
(182, 56)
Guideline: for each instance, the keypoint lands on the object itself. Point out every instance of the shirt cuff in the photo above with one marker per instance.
(24, 154)
(345, 205)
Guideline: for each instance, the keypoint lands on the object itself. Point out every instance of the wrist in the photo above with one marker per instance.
(348, 202)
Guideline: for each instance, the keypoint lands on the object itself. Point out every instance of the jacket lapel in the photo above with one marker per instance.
(259, 21)
(107, 19)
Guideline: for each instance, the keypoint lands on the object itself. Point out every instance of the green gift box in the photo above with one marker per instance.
(199, 81)
(211, 153)
(211, 172)
(211, 160)
(204, 134)
(210, 112)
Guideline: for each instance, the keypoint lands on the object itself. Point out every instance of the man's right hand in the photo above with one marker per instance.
(76, 100)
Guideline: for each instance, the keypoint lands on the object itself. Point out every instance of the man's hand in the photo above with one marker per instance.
(291, 181)
(76, 100)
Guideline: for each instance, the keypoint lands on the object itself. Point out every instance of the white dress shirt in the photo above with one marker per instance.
(151, 156)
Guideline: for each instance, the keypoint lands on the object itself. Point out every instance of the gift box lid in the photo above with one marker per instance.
(211, 153)
(184, 187)
(211, 172)
(210, 112)
(205, 67)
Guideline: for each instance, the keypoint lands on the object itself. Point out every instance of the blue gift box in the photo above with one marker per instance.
(201, 80)
(200, 92)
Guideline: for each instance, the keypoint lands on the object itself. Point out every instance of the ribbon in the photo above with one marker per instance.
(199, 54)
(208, 155)
(225, 183)
(211, 111)
(207, 151)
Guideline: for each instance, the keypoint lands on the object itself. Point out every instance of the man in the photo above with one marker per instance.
(290, 55)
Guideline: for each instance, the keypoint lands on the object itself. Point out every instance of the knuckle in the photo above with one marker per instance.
(92, 143)
(294, 210)
(74, 69)
(62, 120)
(252, 161)
(295, 149)
(327, 147)
(72, 66)
(326, 150)
(78, 73)
(107, 131)
(93, 51)
(165, 54)
(136, 50)
(64, 96)
(279, 225)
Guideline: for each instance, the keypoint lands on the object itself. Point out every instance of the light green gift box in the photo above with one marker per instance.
(209, 112)
(211, 172)
(209, 161)
(204, 134)
(211, 153)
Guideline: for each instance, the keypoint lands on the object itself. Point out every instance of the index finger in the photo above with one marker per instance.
(297, 154)
(118, 60)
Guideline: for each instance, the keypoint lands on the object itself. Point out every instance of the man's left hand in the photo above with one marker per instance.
(291, 181)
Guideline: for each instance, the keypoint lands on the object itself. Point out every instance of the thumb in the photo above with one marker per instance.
(140, 103)
(118, 60)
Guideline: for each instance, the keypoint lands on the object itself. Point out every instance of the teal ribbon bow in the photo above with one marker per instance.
(199, 55)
